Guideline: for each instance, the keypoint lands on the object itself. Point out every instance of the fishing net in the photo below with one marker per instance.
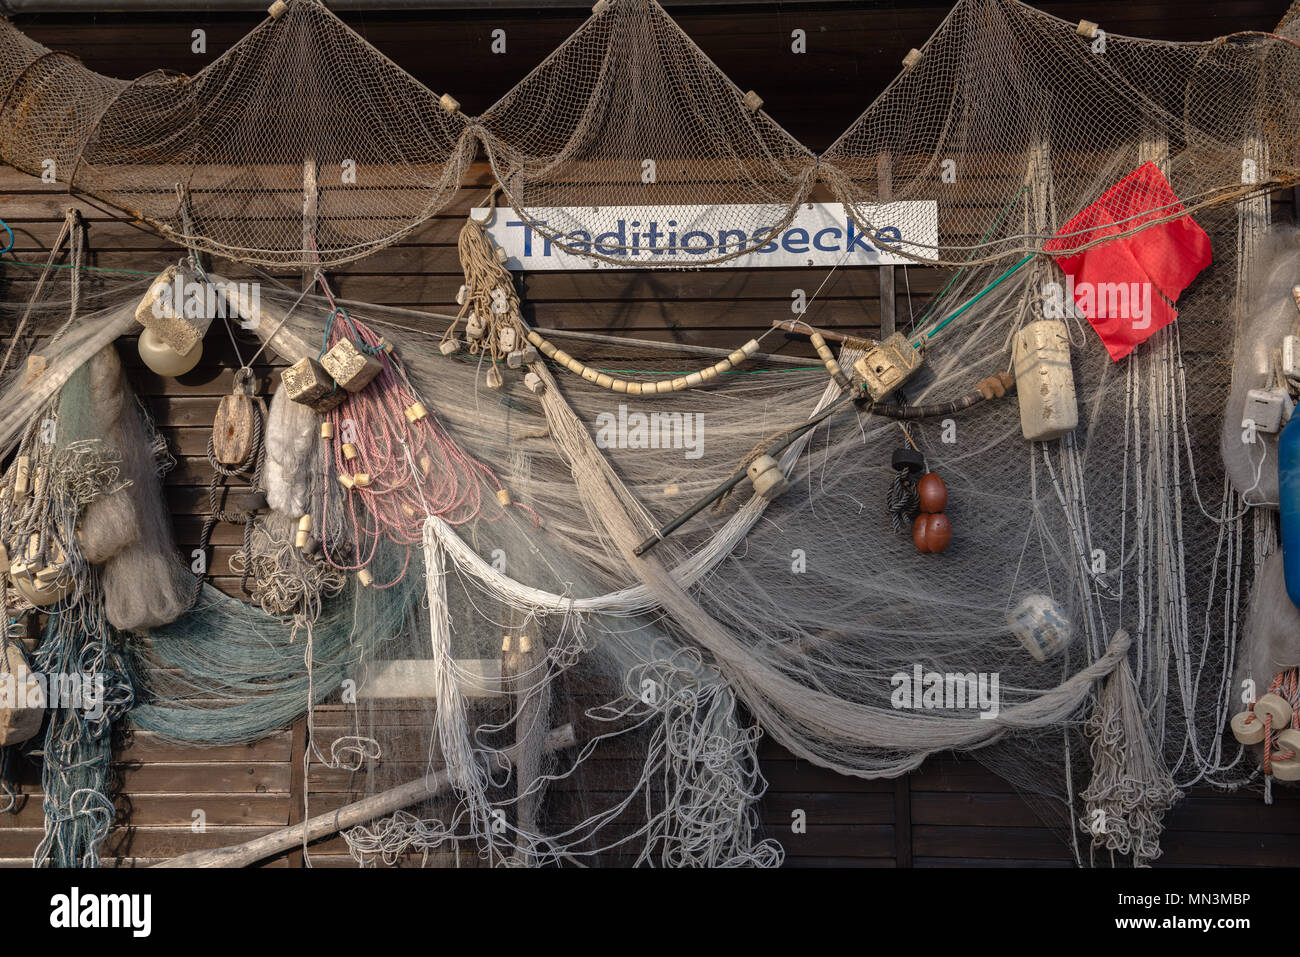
(999, 78)
(588, 702)
(627, 145)
(302, 112)
(628, 112)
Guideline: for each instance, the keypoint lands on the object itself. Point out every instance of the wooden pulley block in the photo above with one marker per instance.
(1275, 707)
(233, 429)
(1247, 728)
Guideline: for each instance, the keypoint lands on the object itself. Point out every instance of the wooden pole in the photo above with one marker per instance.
(885, 192)
(323, 825)
(310, 201)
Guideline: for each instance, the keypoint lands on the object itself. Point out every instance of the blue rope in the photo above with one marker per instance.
(5, 227)
(355, 337)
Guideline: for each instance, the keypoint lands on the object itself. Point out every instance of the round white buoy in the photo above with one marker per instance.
(1275, 707)
(1288, 740)
(1247, 728)
(1041, 625)
(165, 360)
(769, 481)
(1285, 769)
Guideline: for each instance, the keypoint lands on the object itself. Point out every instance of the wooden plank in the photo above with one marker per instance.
(903, 822)
(173, 810)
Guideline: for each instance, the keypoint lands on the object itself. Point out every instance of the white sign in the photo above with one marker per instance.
(821, 234)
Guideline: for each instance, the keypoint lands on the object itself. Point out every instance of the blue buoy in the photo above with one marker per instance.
(1288, 488)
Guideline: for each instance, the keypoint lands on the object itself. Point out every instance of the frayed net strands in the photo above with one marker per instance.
(1130, 791)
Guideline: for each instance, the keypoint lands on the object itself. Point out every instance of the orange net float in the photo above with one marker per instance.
(932, 531)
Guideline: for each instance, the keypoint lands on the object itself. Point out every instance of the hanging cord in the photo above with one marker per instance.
(903, 501)
(251, 470)
(71, 220)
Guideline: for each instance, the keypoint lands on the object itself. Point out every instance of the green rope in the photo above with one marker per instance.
(124, 272)
(998, 222)
(980, 295)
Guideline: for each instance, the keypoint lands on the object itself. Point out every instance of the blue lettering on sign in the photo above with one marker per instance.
(647, 237)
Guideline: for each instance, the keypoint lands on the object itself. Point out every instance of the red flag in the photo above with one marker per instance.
(1122, 286)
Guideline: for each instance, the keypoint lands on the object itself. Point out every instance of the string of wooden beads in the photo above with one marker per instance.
(606, 381)
(828, 359)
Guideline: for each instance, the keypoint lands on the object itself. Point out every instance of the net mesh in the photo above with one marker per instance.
(629, 116)
(301, 111)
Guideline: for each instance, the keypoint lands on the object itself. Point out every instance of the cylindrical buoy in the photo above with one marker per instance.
(1288, 741)
(327, 430)
(41, 588)
(769, 481)
(1044, 380)
(1247, 728)
(1284, 769)
(365, 577)
(416, 411)
(1041, 625)
(1275, 707)
(503, 496)
(349, 451)
(361, 479)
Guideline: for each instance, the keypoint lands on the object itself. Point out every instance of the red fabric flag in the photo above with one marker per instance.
(1121, 286)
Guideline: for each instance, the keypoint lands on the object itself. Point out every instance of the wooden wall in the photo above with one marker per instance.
(952, 812)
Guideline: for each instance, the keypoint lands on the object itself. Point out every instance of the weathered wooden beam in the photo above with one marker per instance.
(323, 825)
